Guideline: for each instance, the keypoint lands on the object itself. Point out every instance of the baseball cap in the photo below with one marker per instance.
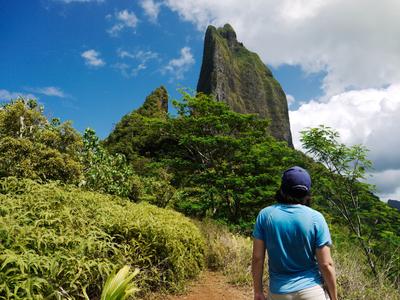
(296, 182)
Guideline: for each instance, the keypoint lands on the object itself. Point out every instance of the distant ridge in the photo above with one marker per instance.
(394, 204)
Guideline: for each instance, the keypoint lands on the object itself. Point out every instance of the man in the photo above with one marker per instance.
(297, 241)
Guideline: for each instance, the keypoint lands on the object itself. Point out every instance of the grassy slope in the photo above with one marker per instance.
(64, 241)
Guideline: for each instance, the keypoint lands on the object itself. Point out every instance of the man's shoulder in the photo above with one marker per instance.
(317, 216)
(269, 209)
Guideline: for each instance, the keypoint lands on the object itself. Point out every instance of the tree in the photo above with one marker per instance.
(345, 168)
(34, 147)
(226, 162)
(105, 172)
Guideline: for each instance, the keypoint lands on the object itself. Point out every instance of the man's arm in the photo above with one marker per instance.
(257, 268)
(327, 269)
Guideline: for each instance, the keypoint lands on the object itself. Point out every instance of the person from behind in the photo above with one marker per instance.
(297, 240)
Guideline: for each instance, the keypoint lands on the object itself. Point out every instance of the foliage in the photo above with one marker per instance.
(227, 163)
(120, 286)
(227, 252)
(105, 172)
(140, 132)
(36, 148)
(157, 188)
(339, 183)
(354, 279)
(64, 242)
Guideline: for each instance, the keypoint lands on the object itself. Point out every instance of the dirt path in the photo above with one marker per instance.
(213, 286)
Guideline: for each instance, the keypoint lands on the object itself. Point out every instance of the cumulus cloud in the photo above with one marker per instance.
(179, 66)
(48, 91)
(123, 19)
(6, 95)
(368, 117)
(341, 38)
(151, 9)
(92, 58)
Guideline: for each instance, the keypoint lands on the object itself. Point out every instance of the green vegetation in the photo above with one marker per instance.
(230, 253)
(105, 172)
(34, 147)
(68, 217)
(120, 286)
(372, 224)
(61, 241)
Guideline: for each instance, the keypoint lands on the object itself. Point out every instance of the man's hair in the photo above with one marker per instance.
(293, 197)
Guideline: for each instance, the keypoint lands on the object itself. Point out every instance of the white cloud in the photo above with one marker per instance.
(151, 9)
(124, 19)
(92, 58)
(129, 71)
(48, 91)
(143, 57)
(179, 66)
(368, 117)
(354, 42)
(6, 95)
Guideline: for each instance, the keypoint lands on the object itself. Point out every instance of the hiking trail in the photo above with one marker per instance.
(212, 286)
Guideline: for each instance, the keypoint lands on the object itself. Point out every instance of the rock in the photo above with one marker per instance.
(238, 77)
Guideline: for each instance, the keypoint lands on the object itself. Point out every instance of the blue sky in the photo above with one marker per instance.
(43, 43)
(93, 61)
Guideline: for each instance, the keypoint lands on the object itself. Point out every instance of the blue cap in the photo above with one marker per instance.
(296, 179)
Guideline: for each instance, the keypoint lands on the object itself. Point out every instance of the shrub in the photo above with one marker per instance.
(107, 173)
(63, 242)
(228, 252)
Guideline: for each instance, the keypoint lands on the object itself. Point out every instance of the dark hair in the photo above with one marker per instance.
(293, 197)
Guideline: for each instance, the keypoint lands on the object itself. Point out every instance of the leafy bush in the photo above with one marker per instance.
(107, 173)
(63, 242)
(34, 147)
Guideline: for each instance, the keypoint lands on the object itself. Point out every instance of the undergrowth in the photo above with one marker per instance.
(231, 253)
(62, 242)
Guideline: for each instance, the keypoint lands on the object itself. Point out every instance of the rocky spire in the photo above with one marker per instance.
(238, 77)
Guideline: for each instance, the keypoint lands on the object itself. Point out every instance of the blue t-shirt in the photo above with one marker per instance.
(291, 233)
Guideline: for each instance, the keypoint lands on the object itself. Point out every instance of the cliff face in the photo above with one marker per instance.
(238, 77)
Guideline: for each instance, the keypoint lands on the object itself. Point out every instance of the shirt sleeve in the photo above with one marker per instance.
(322, 234)
(259, 227)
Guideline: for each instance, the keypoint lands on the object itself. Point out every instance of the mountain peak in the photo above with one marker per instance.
(238, 77)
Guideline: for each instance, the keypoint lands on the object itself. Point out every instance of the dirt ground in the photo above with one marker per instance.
(211, 286)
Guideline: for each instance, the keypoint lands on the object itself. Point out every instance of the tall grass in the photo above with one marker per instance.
(231, 254)
(61, 242)
(227, 252)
